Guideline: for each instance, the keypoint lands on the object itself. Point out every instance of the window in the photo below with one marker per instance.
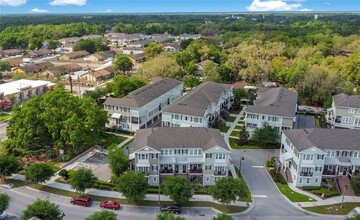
(316, 180)
(154, 156)
(357, 122)
(346, 119)
(308, 180)
(351, 110)
(184, 151)
(220, 156)
(320, 157)
(355, 154)
(186, 118)
(196, 119)
(176, 117)
(154, 167)
(207, 167)
(142, 156)
(328, 153)
(332, 153)
(207, 179)
(191, 152)
(318, 169)
(208, 155)
(300, 181)
(154, 179)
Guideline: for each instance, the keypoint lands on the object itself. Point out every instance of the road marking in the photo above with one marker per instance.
(260, 196)
(258, 167)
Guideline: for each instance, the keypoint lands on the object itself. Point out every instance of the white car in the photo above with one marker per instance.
(3, 215)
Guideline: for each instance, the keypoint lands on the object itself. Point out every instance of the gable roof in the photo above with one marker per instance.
(180, 137)
(276, 101)
(145, 94)
(323, 138)
(351, 101)
(196, 101)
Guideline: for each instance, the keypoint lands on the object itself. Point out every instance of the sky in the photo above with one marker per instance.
(154, 6)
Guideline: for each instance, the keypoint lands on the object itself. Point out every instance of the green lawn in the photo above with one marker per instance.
(231, 118)
(235, 111)
(334, 209)
(291, 195)
(223, 128)
(107, 140)
(241, 122)
(234, 133)
(238, 127)
(4, 116)
(248, 197)
(234, 145)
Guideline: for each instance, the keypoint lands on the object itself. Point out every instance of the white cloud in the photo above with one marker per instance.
(12, 2)
(306, 9)
(68, 2)
(273, 5)
(109, 10)
(327, 3)
(39, 10)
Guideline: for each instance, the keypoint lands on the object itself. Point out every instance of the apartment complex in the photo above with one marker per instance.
(142, 107)
(276, 106)
(199, 154)
(311, 155)
(201, 107)
(345, 111)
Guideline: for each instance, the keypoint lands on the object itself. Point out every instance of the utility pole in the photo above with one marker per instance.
(343, 197)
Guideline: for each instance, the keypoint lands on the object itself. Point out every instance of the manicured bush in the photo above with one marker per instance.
(311, 188)
(326, 192)
(277, 177)
(355, 184)
(64, 173)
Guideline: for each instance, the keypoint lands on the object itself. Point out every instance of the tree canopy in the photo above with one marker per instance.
(153, 49)
(91, 45)
(133, 185)
(266, 135)
(223, 216)
(168, 216)
(178, 188)
(9, 165)
(102, 215)
(42, 209)
(4, 202)
(38, 173)
(56, 119)
(122, 63)
(82, 179)
(118, 161)
(122, 85)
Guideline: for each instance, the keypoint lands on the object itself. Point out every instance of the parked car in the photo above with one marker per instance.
(3, 215)
(109, 204)
(171, 208)
(81, 200)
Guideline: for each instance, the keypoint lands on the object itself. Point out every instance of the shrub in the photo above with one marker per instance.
(311, 188)
(277, 177)
(64, 173)
(51, 154)
(326, 192)
(355, 184)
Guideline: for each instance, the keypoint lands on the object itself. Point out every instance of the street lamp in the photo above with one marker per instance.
(241, 159)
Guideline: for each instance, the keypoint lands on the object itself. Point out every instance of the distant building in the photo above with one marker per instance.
(99, 75)
(132, 50)
(100, 56)
(172, 47)
(74, 55)
(31, 67)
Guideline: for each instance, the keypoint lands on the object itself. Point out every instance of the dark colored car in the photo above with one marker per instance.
(171, 208)
(109, 204)
(81, 200)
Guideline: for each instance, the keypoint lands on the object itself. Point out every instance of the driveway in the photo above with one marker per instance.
(305, 121)
(268, 202)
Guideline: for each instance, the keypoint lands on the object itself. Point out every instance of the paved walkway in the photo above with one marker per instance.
(330, 201)
(233, 125)
(114, 194)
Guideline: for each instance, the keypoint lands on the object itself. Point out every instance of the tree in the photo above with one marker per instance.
(38, 173)
(4, 202)
(227, 190)
(64, 174)
(185, 43)
(121, 85)
(168, 216)
(122, 63)
(191, 82)
(266, 134)
(102, 215)
(82, 179)
(190, 67)
(91, 45)
(56, 120)
(42, 209)
(153, 49)
(118, 161)
(178, 188)
(243, 136)
(4, 65)
(96, 94)
(355, 184)
(223, 216)
(238, 95)
(9, 165)
(53, 44)
(133, 186)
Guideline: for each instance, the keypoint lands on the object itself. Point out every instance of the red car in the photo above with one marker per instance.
(81, 200)
(109, 204)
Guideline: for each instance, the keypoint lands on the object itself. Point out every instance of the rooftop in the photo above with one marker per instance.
(352, 101)
(197, 101)
(145, 94)
(16, 86)
(323, 138)
(192, 137)
(276, 101)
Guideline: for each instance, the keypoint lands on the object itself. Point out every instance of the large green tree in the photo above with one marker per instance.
(133, 186)
(38, 173)
(168, 216)
(4, 202)
(191, 82)
(228, 189)
(238, 95)
(153, 49)
(122, 63)
(91, 45)
(42, 209)
(122, 85)
(243, 136)
(102, 215)
(82, 179)
(118, 161)
(266, 135)
(178, 188)
(9, 165)
(56, 119)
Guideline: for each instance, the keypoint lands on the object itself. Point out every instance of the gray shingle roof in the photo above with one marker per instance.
(351, 101)
(321, 138)
(276, 101)
(196, 101)
(180, 137)
(145, 94)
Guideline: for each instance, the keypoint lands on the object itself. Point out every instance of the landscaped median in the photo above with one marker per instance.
(334, 209)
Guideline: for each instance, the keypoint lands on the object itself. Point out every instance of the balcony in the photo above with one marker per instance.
(306, 174)
(180, 171)
(166, 171)
(145, 173)
(329, 172)
(219, 173)
(196, 171)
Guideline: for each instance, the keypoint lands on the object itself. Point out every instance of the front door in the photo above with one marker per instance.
(345, 171)
(184, 169)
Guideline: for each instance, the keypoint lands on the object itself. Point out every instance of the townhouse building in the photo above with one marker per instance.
(345, 111)
(142, 107)
(199, 154)
(276, 106)
(312, 155)
(201, 107)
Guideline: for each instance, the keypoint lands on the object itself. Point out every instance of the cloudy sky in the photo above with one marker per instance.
(124, 6)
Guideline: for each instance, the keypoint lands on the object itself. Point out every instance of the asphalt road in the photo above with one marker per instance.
(268, 202)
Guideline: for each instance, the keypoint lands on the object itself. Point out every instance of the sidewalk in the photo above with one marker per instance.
(114, 194)
(330, 201)
(227, 135)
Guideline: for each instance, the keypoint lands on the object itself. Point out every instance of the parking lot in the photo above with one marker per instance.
(98, 164)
